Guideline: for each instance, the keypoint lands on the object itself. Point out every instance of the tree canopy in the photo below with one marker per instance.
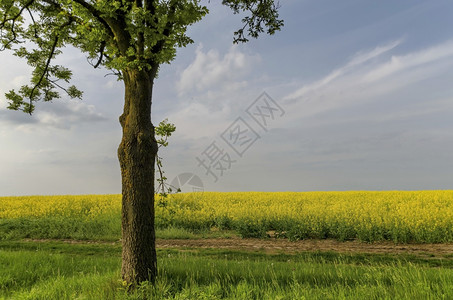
(115, 34)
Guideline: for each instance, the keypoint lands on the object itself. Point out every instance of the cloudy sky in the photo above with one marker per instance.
(359, 97)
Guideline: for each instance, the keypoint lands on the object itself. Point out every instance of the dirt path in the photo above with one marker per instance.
(285, 246)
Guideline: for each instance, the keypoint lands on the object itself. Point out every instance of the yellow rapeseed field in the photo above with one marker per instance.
(85, 206)
(422, 216)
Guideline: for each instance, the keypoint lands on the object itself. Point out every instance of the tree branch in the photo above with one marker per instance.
(13, 24)
(33, 20)
(97, 14)
(101, 54)
(49, 60)
(116, 27)
(46, 68)
(263, 16)
(6, 19)
(141, 35)
(54, 83)
(150, 5)
(166, 32)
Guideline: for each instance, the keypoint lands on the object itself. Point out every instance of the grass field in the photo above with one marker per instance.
(56, 269)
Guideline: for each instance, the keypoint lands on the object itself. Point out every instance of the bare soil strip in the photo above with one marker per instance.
(274, 245)
(285, 246)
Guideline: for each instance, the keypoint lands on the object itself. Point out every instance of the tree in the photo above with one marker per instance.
(132, 38)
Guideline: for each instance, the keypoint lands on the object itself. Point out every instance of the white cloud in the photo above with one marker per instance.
(411, 60)
(196, 120)
(61, 114)
(370, 76)
(211, 70)
(355, 62)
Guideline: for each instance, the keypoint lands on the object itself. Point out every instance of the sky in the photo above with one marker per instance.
(350, 95)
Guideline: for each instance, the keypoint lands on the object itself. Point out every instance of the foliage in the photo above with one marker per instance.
(162, 133)
(399, 216)
(263, 14)
(115, 34)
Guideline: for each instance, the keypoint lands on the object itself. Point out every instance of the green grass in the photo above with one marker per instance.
(101, 229)
(184, 233)
(57, 270)
(59, 227)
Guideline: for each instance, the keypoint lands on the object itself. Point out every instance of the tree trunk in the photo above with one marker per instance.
(137, 153)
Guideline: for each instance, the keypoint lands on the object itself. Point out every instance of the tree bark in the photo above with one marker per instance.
(137, 153)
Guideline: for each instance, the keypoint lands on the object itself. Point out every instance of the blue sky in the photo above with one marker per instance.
(365, 87)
